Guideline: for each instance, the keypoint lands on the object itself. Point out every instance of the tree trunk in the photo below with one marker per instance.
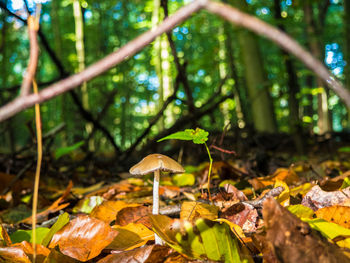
(323, 122)
(293, 88)
(256, 81)
(79, 46)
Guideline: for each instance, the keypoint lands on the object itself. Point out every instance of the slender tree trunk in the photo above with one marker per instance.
(256, 81)
(323, 122)
(347, 47)
(79, 45)
(240, 95)
(293, 88)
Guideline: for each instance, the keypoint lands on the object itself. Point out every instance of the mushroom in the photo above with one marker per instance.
(155, 163)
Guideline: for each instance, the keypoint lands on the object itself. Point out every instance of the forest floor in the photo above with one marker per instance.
(268, 203)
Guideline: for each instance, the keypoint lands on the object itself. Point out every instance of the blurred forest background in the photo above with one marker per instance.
(205, 73)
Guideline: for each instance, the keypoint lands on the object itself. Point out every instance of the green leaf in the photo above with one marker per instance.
(26, 235)
(66, 150)
(61, 222)
(198, 136)
(345, 149)
(330, 231)
(346, 183)
(185, 179)
(205, 239)
(301, 211)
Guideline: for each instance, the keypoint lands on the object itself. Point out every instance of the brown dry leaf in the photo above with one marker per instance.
(282, 174)
(333, 184)
(57, 257)
(265, 248)
(13, 255)
(294, 240)
(191, 211)
(56, 206)
(83, 238)
(138, 214)
(41, 251)
(5, 236)
(335, 214)
(316, 198)
(108, 210)
(147, 254)
(244, 215)
(131, 236)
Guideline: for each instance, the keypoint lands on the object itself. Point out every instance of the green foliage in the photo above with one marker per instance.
(204, 239)
(61, 222)
(67, 150)
(198, 136)
(184, 179)
(26, 235)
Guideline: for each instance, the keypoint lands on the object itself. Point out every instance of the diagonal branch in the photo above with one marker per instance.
(102, 65)
(227, 12)
(261, 28)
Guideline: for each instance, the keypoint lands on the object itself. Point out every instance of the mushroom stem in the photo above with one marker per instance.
(155, 209)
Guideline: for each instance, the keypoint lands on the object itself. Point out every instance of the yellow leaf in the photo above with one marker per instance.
(301, 211)
(108, 210)
(284, 197)
(301, 189)
(193, 210)
(131, 236)
(335, 214)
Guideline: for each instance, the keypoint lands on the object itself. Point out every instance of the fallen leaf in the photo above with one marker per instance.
(331, 231)
(301, 211)
(284, 197)
(56, 206)
(204, 239)
(57, 257)
(108, 210)
(83, 238)
(134, 214)
(282, 174)
(316, 198)
(335, 214)
(294, 240)
(61, 222)
(301, 189)
(26, 235)
(87, 204)
(243, 215)
(13, 255)
(191, 211)
(147, 254)
(131, 236)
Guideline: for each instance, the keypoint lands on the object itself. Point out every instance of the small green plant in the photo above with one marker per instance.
(198, 136)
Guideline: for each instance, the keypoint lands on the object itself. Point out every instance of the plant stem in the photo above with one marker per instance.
(155, 209)
(209, 172)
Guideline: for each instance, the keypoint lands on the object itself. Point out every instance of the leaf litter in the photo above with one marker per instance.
(291, 215)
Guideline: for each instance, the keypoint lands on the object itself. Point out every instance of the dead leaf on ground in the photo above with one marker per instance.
(294, 240)
(138, 214)
(56, 206)
(282, 174)
(83, 238)
(131, 236)
(13, 255)
(108, 210)
(57, 257)
(242, 214)
(147, 254)
(335, 214)
(191, 211)
(316, 198)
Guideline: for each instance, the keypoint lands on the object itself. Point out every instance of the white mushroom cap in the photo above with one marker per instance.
(155, 162)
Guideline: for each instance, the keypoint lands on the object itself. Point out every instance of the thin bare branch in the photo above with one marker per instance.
(33, 27)
(101, 66)
(261, 28)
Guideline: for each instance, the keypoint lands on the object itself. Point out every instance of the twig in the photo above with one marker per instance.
(258, 203)
(102, 65)
(33, 26)
(222, 149)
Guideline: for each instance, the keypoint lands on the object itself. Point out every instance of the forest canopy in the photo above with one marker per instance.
(205, 72)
